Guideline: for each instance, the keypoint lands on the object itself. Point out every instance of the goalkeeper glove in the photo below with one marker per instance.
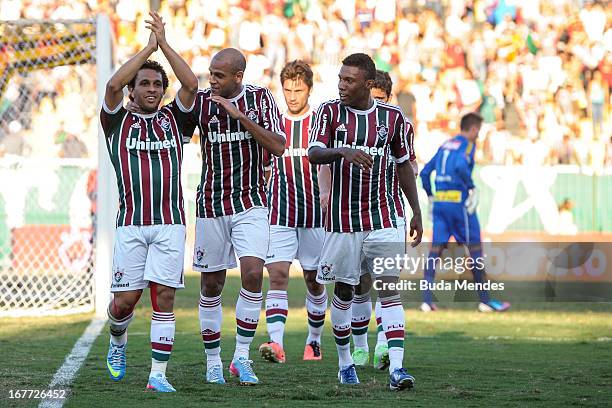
(430, 208)
(471, 201)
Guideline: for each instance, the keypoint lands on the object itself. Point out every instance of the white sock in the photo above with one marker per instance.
(380, 332)
(276, 314)
(248, 308)
(393, 321)
(361, 311)
(211, 316)
(316, 306)
(341, 326)
(163, 326)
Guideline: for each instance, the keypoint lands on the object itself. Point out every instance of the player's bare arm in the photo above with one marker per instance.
(407, 183)
(272, 142)
(188, 80)
(324, 178)
(325, 155)
(114, 87)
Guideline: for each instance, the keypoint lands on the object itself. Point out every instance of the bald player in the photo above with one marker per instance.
(237, 122)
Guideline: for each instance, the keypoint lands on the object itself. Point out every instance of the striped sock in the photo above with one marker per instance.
(210, 327)
(361, 313)
(276, 314)
(380, 332)
(341, 326)
(393, 320)
(316, 306)
(163, 326)
(118, 327)
(248, 308)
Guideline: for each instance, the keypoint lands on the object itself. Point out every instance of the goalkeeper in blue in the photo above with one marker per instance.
(453, 208)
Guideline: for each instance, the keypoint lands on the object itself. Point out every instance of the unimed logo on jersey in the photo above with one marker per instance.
(134, 143)
(371, 150)
(227, 137)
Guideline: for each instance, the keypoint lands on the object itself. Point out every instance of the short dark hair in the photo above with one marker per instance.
(362, 61)
(295, 70)
(383, 81)
(470, 119)
(155, 66)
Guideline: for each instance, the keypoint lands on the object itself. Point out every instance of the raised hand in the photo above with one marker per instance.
(358, 157)
(156, 25)
(152, 44)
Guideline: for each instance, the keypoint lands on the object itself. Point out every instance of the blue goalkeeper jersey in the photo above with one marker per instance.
(453, 163)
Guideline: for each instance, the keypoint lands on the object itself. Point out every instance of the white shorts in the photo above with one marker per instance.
(219, 240)
(344, 253)
(148, 253)
(303, 244)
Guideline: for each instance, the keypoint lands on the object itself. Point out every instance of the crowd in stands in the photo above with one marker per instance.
(539, 71)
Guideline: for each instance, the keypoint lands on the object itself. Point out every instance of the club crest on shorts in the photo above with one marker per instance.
(252, 114)
(382, 131)
(200, 254)
(326, 269)
(118, 274)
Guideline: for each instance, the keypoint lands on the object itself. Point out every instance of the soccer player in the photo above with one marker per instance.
(237, 122)
(454, 207)
(146, 151)
(362, 304)
(296, 220)
(358, 136)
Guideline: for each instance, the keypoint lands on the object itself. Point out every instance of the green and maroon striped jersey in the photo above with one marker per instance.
(232, 178)
(293, 196)
(146, 152)
(360, 199)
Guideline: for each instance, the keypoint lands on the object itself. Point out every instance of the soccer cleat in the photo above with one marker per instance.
(493, 306)
(400, 379)
(214, 375)
(361, 357)
(428, 307)
(159, 383)
(272, 352)
(115, 361)
(312, 351)
(348, 375)
(241, 368)
(381, 357)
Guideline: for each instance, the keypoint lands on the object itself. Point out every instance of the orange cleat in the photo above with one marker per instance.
(312, 351)
(272, 352)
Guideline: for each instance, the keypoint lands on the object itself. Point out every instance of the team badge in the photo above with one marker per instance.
(382, 131)
(200, 254)
(118, 275)
(163, 122)
(326, 269)
(252, 114)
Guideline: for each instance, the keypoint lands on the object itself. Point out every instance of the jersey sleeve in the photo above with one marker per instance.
(191, 122)
(410, 140)
(110, 119)
(320, 132)
(270, 114)
(399, 141)
(182, 115)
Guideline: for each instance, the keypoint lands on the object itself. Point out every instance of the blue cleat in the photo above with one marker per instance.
(241, 368)
(159, 383)
(115, 361)
(493, 306)
(348, 375)
(400, 380)
(214, 375)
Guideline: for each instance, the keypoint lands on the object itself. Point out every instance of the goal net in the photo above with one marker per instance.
(48, 166)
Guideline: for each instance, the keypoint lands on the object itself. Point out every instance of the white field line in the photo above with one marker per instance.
(67, 372)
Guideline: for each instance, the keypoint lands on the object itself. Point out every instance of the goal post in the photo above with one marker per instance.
(55, 245)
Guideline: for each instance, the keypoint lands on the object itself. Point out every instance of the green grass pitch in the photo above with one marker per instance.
(537, 354)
